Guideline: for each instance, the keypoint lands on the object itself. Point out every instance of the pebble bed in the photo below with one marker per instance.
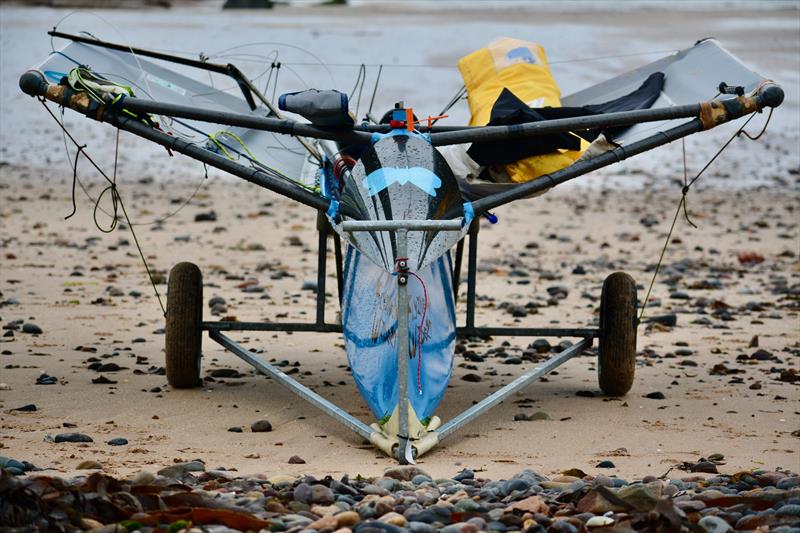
(186, 497)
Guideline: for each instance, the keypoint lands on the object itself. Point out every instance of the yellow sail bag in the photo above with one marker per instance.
(521, 67)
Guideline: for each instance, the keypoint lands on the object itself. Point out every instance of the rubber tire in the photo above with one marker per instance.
(184, 327)
(617, 351)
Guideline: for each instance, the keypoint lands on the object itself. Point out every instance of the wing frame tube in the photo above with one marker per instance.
(711, 114)
(34, 84)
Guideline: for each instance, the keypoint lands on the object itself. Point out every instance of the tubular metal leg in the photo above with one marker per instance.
(404, 454)
(472, 269)
(518, 384)
(457, 269)
(337, 250)
(297, 388)
(322, 260)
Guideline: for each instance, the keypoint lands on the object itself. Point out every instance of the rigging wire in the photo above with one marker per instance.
(116, 199)
(375, 90)
(682, 204)
(360, 79)
(94, 201)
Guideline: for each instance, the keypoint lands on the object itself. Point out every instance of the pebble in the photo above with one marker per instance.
(119, 441)
(407, 499)
(180, 469)
(404, 472)
(72, 437)
(714, 524)
(260, 426)
(670, 320)
(27, 408)
(30, 327)
(143, 477)
(45, 379)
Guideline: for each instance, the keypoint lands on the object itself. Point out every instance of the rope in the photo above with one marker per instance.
(375, 89)
(116, 199)
(363, 73)
(683, 204)
(420, 339)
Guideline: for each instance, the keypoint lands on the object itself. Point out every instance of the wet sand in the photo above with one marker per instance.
(89, 294)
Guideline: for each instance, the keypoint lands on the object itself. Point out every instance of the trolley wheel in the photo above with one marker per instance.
(617, 350)
(184, 325)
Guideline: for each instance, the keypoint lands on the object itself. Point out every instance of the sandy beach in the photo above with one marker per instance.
(727, 371)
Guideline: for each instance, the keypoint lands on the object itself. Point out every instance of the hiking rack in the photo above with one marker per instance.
(616, 333)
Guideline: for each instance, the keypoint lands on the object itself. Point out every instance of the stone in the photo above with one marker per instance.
(211, 216)
(281, 480)
(30, 327)
(561, 526)
(606, 464)
(225, 373)
(87, 524)
(394, 518)
(466, 505)
(45, 379)
(347, 519)
(465, 474)
(714, 524)
(72, 437)
(302, 493)
(531, 504)
(405, 472)
(326, 522)
(119, 441)
(309, 285)
(788, 483)
(89, 465)
(641, 496)
(296, 460)
(322, 495)
(260, 426)
(420, 527)
(374, 526)
(430, 515)
(143, 477)
(28, 408)
(541, 345)
(670, 320)
(180, 469)
(599, 521)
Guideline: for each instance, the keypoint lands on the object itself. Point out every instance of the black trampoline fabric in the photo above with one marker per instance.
(509, 110)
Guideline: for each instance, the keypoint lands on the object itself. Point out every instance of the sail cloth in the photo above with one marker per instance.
(149, 79)
(521, 67)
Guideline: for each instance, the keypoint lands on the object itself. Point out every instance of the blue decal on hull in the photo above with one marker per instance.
(379, 179)
(369, 320)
